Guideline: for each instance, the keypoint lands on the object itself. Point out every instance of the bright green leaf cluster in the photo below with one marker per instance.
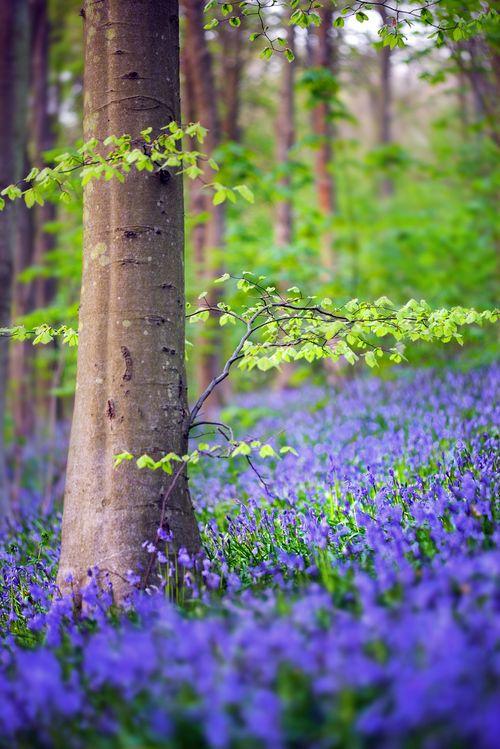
(115, 158)
(280, 328)
(41, 334)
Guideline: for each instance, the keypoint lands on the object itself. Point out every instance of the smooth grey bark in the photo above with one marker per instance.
(131, 383)
(14, 36)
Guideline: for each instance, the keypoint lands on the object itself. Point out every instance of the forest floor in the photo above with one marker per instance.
(351, 602)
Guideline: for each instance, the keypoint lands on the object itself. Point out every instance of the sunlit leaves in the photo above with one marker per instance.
(41, 334)
(115, 158)
(245, 193)
(293, 327)
(230, 449)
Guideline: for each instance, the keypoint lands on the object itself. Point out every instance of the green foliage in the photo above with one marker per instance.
(156, 154)
(445, 19)
(43, 334)
(281, 327)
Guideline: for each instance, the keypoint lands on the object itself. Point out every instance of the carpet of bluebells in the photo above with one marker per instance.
(353, 601)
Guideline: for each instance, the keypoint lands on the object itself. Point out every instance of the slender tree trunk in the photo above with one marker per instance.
(31, 241)
(285, 137)
(131, 384)
(323, 129)
(232, 68)
(201, 66)
(21, 354)
(14, 40)
(195, 187)
(43, 137)
(385, 109)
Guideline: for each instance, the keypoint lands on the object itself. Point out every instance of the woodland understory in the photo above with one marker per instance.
(249, 374)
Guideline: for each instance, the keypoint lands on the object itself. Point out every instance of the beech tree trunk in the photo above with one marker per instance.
(131, 383)
(324, 131)
(14, 35)
(205, 92)
(285, 138)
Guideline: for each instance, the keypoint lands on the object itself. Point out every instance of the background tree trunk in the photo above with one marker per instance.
(21, 354)
(14, 43)
(285, 138)
(32, 242)
(205, 93)
(195, 187)
(42, 136)
(323, 129)
(231, 74)
(131, 384)
(385, 109)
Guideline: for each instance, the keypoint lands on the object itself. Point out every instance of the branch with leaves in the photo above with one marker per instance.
(279, 328)
(304, 13)
(115, 158)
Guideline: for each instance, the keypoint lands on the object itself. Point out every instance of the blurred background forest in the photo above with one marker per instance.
(373, 171)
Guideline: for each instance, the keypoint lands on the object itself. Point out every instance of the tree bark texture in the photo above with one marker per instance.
(131, 384)
(14, 40)
(285, 137)
(323, 129)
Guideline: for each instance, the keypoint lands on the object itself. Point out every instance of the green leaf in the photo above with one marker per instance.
(245, 193)
(211, 24)
(242, 449)
(219, 197)
(122, 457)
(267, 451)
(221, 279)
(287, 449)
(44, 336)
(29, 198)
(146, 461)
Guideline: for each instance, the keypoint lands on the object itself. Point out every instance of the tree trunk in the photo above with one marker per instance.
(195, 187)
(323, 130)
(21, 353)
(14, 31)
(232, 67)
(31, 241)
(285, 137)
(385, 110)
(201, 66)
(43, 137)
(131, 384)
